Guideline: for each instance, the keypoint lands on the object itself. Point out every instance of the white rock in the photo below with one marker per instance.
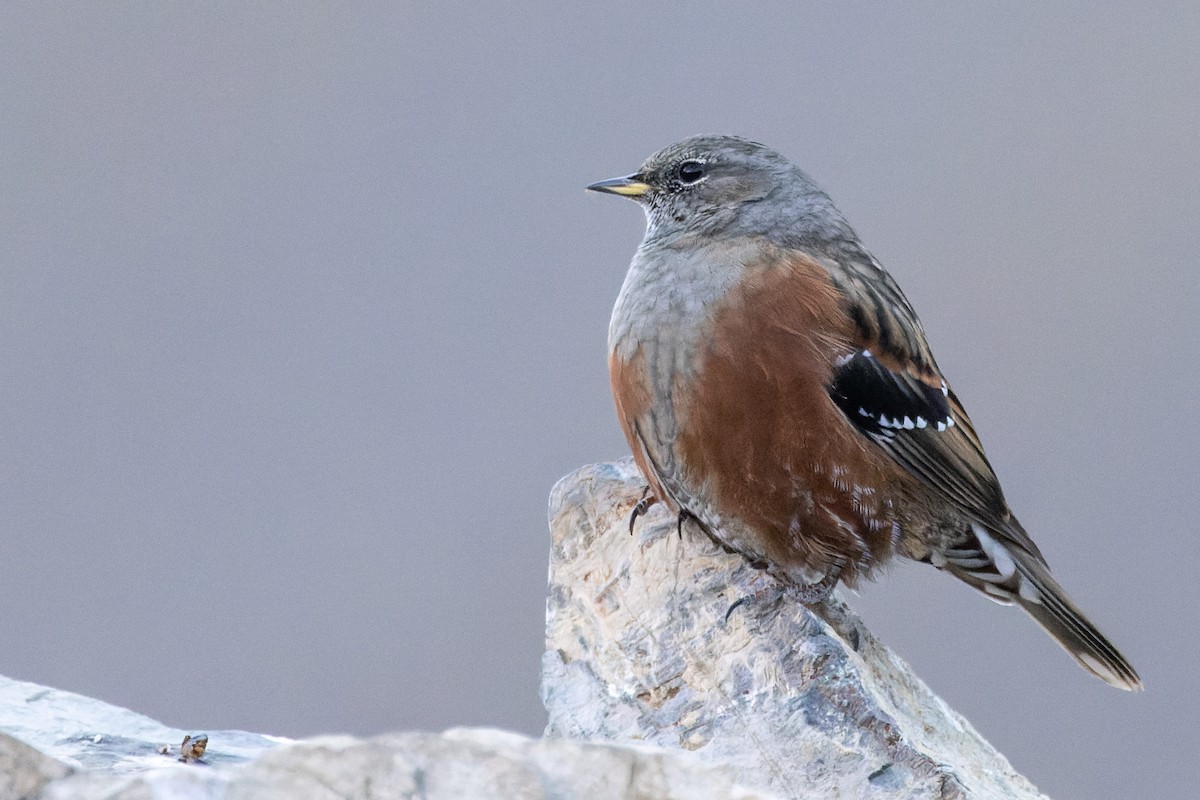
(84, 732)
(464, 764)
(24, 771)
(639, 649)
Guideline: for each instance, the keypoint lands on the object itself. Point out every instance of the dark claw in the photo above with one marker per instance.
(734, 606)
(810, 594)
(767, 594)
(641, 507)
(684, 515)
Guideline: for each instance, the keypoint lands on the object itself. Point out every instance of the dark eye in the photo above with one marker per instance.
(690, 171)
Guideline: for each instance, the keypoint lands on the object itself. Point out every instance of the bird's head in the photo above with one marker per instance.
(718, 184)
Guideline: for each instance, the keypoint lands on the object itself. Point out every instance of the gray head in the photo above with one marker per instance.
(727, 185)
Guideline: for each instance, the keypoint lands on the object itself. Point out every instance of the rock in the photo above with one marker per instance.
(478, 764)
(65, 745)
(83, 732)
(24, 771)
(664, 640)
(84, 748)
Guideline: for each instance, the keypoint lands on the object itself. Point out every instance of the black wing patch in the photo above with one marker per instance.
(882, 402)
(926, 431)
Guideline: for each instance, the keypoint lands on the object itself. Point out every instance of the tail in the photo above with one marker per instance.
(1008, 573)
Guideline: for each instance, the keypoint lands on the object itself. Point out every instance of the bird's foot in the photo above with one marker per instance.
(768, 594)
(811, 594)
(643, 505)
(684, 516)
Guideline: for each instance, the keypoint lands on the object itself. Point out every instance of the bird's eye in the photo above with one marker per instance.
(690, 171)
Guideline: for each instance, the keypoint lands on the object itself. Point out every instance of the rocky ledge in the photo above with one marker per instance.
(665, 639)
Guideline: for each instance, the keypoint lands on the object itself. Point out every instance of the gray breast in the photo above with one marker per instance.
(670, 294)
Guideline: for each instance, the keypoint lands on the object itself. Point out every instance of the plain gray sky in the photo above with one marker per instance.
(303, 311)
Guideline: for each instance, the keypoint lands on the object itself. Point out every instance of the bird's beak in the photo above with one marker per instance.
(628, 186)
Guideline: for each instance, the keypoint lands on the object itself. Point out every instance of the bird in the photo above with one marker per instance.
(777, 390)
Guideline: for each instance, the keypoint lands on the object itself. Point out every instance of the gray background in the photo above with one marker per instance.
(304, 308)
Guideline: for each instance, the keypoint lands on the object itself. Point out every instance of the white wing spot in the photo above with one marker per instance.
(922, 422)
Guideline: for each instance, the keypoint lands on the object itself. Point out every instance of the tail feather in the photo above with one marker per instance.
(1011, 574)
(1053, 610)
